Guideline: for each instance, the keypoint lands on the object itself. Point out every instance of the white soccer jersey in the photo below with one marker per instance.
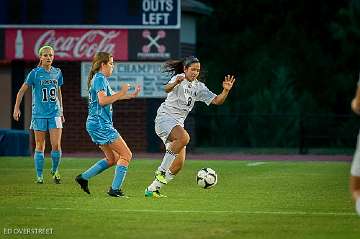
(180, 101)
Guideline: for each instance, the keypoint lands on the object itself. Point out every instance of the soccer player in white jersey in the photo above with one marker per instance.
(355, 167)
(99, 125)
(184, 89)
(47, 110)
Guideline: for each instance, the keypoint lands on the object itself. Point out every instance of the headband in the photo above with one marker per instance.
(44, 47)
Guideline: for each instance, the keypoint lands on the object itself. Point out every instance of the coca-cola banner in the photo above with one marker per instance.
(153, 44)
(69, 44)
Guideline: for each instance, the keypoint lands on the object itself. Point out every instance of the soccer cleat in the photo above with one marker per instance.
(40, 180)
(154, 194)
(83, 183)
(160, 176)
(56, 176)
(116, 193)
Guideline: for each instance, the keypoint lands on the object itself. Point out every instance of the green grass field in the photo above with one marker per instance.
(270, 200)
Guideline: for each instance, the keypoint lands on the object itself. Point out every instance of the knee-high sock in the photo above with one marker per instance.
(169, 176)
(94, 170)
(120, 173)
(168, 159)
(358, 206)
(156, 185)
(55, 157)
(39, 163)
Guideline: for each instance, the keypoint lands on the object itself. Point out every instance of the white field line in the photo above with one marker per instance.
(255, 164)
(291, 213)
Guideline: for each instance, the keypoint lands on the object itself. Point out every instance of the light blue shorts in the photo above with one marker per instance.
(44, 124)
(102, 135)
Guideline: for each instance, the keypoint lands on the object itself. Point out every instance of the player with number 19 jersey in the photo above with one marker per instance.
(45, 86)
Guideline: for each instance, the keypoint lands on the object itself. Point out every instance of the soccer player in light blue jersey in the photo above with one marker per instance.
(355, 166)
(183, 90)
(99, 125)
(47, 110)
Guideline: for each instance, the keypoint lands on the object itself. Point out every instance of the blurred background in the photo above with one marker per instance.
(296, 64)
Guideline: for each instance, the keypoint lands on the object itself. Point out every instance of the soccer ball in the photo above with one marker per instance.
(206, 178)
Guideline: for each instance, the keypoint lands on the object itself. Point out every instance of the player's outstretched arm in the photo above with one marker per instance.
(19, 97)
(121, 95)
(227, 85)
(109, 99)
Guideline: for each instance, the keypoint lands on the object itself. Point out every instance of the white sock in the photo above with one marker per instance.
(357, 206)
(169, 176)
(156, 185)
(168, 159)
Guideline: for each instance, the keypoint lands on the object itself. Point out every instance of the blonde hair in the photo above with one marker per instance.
(100, 57)
(43, 48)
(40, 52)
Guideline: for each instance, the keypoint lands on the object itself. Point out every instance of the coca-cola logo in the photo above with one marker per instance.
(84, 46)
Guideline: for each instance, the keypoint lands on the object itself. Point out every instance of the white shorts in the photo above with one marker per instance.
(355, 166)
(163, 126)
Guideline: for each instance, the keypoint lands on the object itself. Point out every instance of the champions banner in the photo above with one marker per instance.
(148, 75)
(69, 44)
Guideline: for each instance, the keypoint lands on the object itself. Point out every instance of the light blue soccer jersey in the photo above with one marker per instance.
(45, 87)
(99, 116)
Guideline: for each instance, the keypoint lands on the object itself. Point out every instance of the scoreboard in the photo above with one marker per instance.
(92, 14)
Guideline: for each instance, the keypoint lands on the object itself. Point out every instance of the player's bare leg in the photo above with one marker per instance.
(123, 157)
(179, 162)
(178, 138)
(355, 191)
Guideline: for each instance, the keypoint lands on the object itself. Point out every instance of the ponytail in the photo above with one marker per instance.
(99, 58)
(90, 76)
(174, 67)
